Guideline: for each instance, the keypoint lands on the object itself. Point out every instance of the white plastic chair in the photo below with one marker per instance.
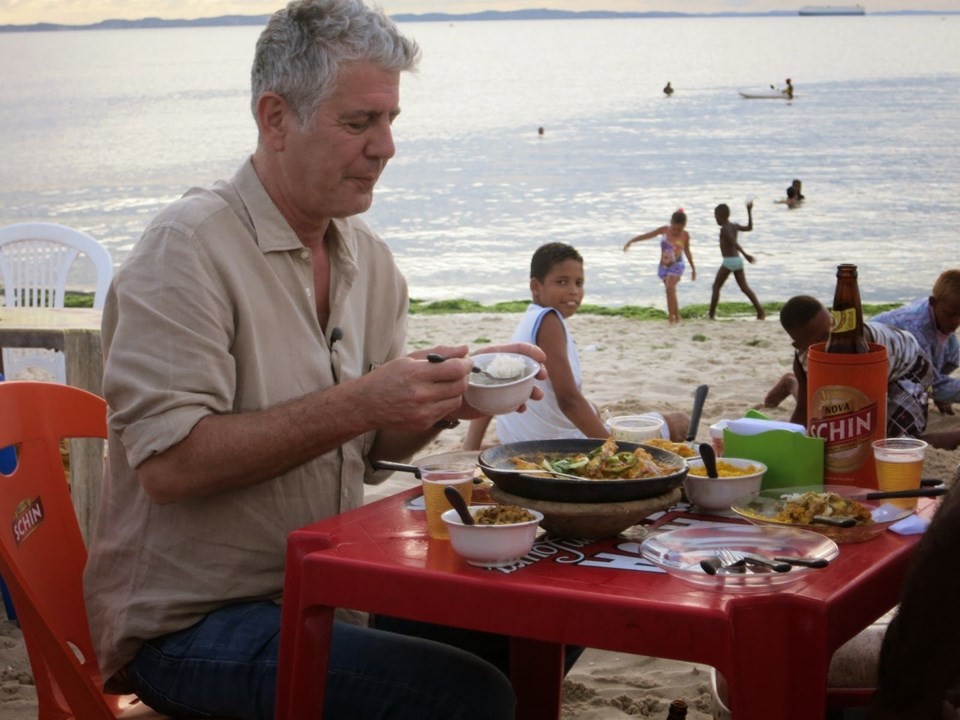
(35, 259)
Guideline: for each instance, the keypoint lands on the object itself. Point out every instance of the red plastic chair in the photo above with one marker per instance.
(42, 554)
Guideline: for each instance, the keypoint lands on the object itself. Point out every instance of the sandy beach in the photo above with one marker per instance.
(628, 366)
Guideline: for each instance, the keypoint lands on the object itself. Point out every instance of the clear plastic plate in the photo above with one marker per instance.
(680, 552)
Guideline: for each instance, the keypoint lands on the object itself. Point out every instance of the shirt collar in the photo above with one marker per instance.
(272, 230)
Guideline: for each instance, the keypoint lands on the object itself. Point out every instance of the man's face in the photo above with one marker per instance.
(815, 331)
(331, 165)
(946, 312)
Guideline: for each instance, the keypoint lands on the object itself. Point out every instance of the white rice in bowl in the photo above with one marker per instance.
(504, 367)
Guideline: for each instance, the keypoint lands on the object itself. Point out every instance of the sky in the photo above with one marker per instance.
(81, 12)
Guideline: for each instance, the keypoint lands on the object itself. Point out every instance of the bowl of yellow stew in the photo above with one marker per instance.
(738, 477)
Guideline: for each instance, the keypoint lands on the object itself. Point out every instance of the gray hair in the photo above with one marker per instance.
(303, 47)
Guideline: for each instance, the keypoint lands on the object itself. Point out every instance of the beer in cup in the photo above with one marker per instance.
(435, 478)
(899, 464)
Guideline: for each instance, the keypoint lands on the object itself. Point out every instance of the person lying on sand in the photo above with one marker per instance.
(933, 321)
(807, 322)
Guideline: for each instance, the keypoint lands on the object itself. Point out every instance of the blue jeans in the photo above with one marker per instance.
(226, 666)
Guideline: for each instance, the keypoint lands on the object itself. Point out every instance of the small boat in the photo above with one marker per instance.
(811, 10)
(765, 95)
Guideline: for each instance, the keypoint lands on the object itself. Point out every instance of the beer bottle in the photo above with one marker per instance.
(846, 328)
(678, 710)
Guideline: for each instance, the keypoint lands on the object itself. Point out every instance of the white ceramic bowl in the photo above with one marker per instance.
(491, 545)
(718, 493)
(502, 397)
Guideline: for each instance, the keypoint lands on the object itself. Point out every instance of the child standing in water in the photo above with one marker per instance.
(674, 244)
(732, 262)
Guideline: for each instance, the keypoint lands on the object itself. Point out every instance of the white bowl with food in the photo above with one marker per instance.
(500, 535)
(738, 477)
(501, 382)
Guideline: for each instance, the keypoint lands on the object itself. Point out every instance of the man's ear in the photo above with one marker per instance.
(535, 290)
(274, 118)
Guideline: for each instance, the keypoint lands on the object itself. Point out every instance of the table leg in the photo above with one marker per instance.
(780, 664)
(83, 357)
(303, 679)
(536, 672)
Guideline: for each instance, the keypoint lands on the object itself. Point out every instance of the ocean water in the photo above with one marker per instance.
(98, 130)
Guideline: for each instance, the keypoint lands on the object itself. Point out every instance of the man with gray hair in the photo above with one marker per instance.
(254, 366)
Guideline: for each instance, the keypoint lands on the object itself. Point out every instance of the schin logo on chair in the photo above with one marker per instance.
(27, 518)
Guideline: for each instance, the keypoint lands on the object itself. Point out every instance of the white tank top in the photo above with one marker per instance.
(543, 419)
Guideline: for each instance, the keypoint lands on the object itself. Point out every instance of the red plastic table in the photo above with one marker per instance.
(774, 648)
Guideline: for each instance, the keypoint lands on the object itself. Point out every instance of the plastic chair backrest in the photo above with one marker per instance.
(42, 554)
(35, 260)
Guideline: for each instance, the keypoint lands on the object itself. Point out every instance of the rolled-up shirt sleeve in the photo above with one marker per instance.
(173, 366)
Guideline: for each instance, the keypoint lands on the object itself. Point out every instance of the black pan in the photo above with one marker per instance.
(496, 461)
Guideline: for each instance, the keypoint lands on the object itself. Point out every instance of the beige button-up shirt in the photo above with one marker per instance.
(214, 312)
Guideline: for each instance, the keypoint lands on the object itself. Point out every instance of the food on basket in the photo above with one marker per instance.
(725, 469)
(681, 449)
(502, 515)
(801, 508)
(606, 462)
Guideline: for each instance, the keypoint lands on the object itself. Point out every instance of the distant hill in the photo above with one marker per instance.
(542, 14)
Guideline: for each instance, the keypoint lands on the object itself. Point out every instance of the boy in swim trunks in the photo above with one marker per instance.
(732, 262)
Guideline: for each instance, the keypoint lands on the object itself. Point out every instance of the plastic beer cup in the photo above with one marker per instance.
(435, 478)
(899, 464)
(635, 428)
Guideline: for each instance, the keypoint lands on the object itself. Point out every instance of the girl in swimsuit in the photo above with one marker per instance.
(674, 244)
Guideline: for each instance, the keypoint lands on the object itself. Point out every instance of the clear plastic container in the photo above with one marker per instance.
(716, 436)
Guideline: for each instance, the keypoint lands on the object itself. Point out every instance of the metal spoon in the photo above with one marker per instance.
(459, 504)
(434, 358)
